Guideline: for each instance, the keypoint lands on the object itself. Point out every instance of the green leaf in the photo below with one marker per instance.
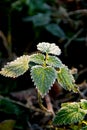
(37, 58)
(55, 30)
(43, 78)
(54, 61)
(84, 128)
(49, 48)
(17, 5)
(66, 79)
(39, 19)
(16, 67)
(7, 125)
(8, 107)
(83, 104)
(69, 114)
(36, 6)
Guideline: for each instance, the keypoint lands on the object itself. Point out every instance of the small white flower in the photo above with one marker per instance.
(49, 48)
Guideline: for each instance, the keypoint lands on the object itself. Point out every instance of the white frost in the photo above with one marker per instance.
(49, 48)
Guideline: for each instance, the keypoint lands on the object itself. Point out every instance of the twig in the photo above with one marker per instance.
(82, 95)
(49, 104)
(5, 43)
(83, 11)
(29, 125)
(83, 92)
(72, 38)
(82, 71)
(22, 105)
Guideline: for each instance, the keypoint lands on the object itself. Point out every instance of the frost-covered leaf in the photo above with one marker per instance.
(66, 79)
(69, 114)
(16, 67)
(37, 58)
(54, 61)
(49, 48)
(43, 78)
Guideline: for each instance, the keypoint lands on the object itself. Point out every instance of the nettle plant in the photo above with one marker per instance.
(46, 68)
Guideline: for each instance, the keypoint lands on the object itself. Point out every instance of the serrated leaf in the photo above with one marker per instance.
(83, 104)
(54, 61)
(37, 58)
(66, 79)
(49, 48)
(55, 30)
(43, 78)
(16, 67)
(69, 114)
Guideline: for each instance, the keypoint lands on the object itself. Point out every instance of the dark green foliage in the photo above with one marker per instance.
(8, 107)
(84, 128)
(55, 30)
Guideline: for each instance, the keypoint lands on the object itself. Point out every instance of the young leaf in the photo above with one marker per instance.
(49, 48)
(66, 79)
(69, 114)
(37, 58)
(54, 61)
(43, 78)
(83, 104)
(16, 67)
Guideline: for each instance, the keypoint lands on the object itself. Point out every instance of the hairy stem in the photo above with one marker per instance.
(40, 103)
(49, 108)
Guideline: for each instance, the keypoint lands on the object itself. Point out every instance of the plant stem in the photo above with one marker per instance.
(40, 103)
(81, 11)
(49, 108)
(49, 104)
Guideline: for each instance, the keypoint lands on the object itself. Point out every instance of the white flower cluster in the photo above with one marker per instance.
(49, 48)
